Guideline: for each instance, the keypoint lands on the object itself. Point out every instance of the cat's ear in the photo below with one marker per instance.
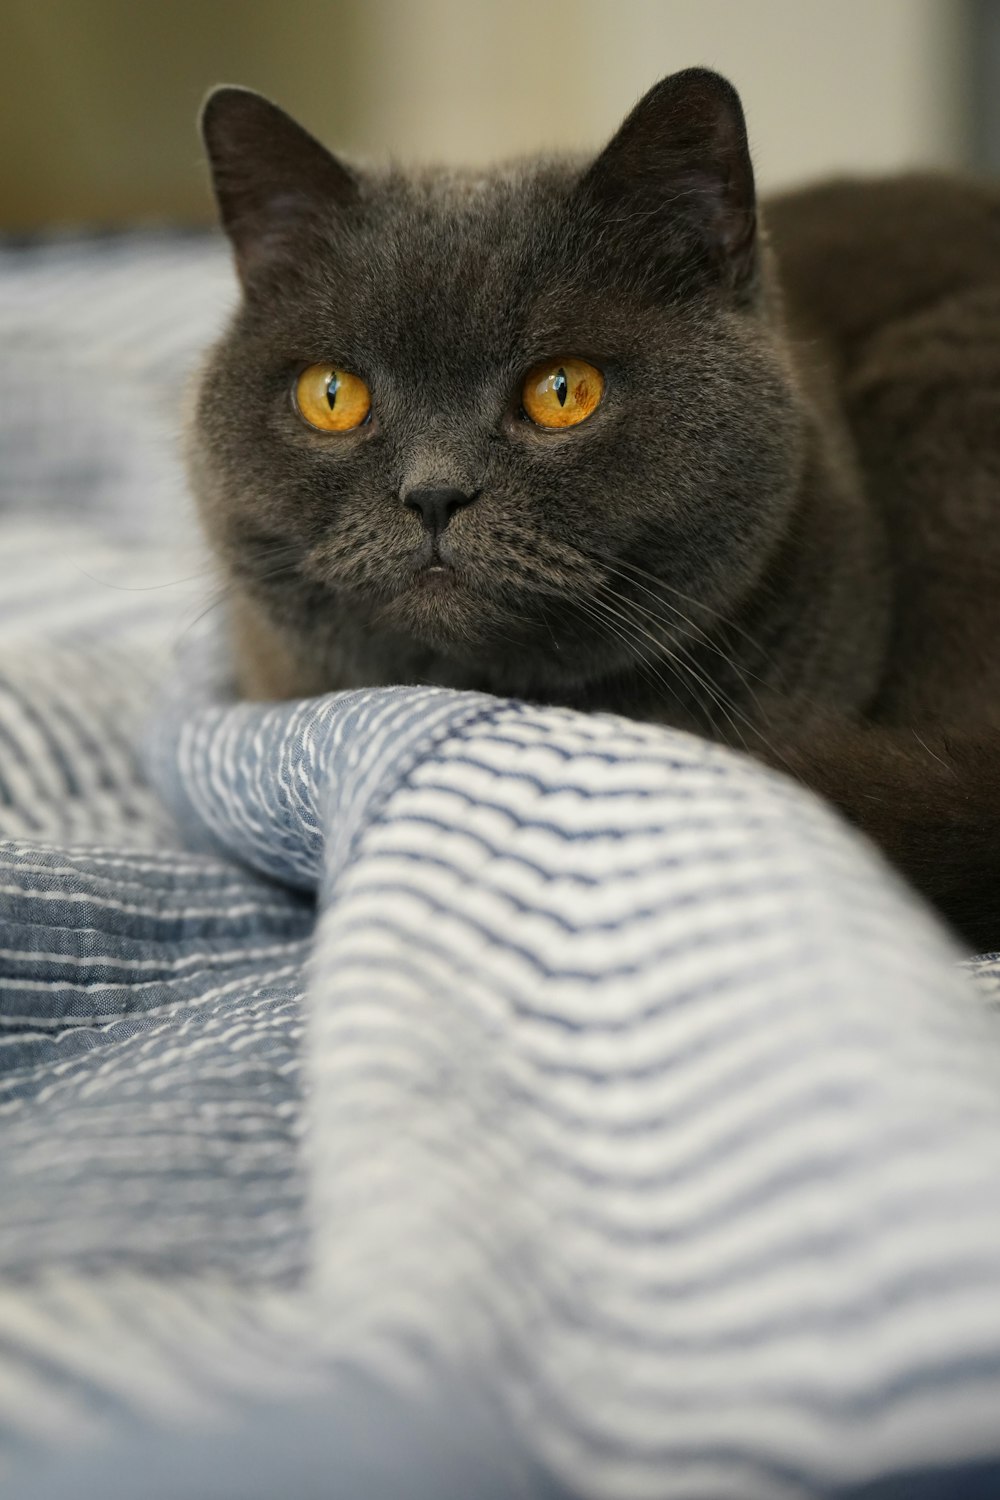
(271, 178)
(678, 175)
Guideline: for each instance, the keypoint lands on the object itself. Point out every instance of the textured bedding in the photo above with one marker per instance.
(409, 1093)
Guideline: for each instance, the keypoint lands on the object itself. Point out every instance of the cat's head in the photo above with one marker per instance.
(486, 426)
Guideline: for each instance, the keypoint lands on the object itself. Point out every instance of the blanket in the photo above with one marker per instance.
(411, 1093)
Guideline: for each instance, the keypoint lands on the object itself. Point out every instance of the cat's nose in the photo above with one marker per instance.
(437, 506)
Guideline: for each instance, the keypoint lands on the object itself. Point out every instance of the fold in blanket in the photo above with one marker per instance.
(632, 1091)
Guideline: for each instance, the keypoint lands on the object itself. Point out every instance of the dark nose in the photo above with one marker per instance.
(436, 507)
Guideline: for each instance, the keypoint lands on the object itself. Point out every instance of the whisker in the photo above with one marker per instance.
(688, 665)
(221, 598)
(228, 591)
(661, 587)
(714, 688)
(724, 703)
(143, 588)
(699, 634)
(623, 570)
(648, 671)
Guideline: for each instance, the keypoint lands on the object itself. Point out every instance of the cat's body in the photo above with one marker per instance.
(898, 283)
(777, 527)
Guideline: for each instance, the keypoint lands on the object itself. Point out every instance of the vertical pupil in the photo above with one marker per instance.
(561, 385)
(333, 385)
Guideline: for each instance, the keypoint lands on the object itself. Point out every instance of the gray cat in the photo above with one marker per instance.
(600, 433)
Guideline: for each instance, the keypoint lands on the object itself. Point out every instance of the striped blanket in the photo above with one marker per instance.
(408, 1093)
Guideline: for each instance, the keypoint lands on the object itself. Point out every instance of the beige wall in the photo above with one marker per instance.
(100, 95)
(862, 84)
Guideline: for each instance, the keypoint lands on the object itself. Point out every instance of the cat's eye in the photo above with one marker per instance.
(561, 392)
(331, 399)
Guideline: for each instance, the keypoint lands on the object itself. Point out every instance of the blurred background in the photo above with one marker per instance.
(100, 96)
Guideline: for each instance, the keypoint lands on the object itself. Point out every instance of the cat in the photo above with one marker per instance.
(605, 433)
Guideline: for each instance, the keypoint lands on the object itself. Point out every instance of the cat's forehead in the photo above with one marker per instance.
(466, 195)
(450, 261)
(456, 223)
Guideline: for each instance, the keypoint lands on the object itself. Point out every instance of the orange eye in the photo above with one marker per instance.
(332, 400)
(561, 392)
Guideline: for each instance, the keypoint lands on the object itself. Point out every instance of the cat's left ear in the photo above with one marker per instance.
(677, 179)
(272, 179)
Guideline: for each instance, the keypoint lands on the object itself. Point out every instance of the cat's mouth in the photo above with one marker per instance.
(432, 570)
(435, 574)
(429, 574)
(434, 596)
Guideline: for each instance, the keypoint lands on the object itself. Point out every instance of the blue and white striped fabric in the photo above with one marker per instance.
(409, 1093)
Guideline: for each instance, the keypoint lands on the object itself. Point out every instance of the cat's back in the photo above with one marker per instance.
(856, 255)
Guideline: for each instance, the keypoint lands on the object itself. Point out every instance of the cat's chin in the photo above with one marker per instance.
(438, 610)
(476, 639)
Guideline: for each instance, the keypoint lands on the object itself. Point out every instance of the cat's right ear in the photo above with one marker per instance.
(271, 178)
